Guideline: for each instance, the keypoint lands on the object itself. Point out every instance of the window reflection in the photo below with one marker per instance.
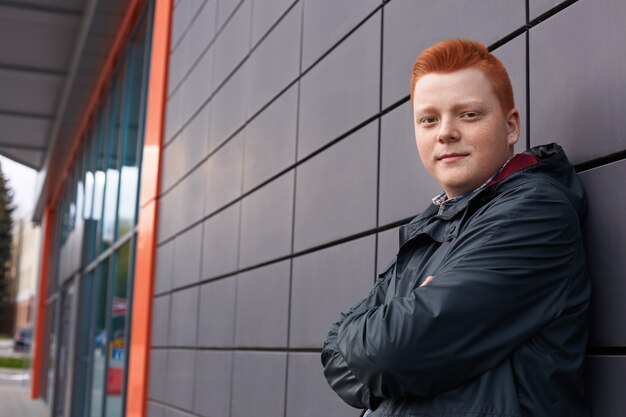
(101, 191)
(99, 341)
(118, 334)
(111, 165)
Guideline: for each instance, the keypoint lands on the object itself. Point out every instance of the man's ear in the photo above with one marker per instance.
(512, 124)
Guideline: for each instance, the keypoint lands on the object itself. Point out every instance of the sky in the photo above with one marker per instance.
(22, 181)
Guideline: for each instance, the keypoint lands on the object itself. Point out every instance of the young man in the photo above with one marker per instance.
(484, 311)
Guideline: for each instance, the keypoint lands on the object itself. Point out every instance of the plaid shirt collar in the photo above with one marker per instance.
(443, 202)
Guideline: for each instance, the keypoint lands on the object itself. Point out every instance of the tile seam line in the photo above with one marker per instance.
(380, 113)
(302, 73)
(284, 258)
(214, 39)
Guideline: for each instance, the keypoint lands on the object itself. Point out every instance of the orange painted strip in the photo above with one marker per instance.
(119, 43)
(139, 351)
(40, 320)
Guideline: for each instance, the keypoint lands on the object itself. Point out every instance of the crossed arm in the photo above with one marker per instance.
(505, 279)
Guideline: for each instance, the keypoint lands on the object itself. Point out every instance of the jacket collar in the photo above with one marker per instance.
(420, 224)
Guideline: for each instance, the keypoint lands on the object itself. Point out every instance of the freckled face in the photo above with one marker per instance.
(461, 133)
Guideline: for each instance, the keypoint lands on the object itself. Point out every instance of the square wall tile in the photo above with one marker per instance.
(326, 283)
(327, 21)
(336, 190)
(176, 69)
(259, 384)
(513, 56)
(188, 206)
(194, 141)
(538, 7)
(160, 320)
(406, 188)
(179, 381)
(187, 252)
(577, 98)
(171, 412)
(308, 393)
(157, 374)
(228, 109)
(232, 43)
(168, 214)
(182, 17)
(201, 32)
(271, 140)
(220, 246)
(605, 242)
(342, 90)
(225, 10)
(263, 306)
(196, 88)
(410, 28)
(172, 168)
(264, 16)
(267, 217)
(605, 382)
(216, 321)
(164, 267)
(155, 410)
(275, 62)
(224, 171)
(184, 318)
(173, 115)
(388, 246)
(212, 383)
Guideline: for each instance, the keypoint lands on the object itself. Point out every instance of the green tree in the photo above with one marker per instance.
(6, 224)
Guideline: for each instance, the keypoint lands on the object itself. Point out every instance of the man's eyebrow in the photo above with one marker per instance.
(425, 109)
(460, 105)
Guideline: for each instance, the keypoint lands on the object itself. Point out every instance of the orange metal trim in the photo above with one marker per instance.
(122, 33)
(139, 359)
(40, 321)
(117, 48)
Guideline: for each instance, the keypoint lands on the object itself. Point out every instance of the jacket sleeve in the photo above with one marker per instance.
(339, 377)
(505, 278)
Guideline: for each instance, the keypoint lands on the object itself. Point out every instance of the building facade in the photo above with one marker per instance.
(27, 242)
(238, 176)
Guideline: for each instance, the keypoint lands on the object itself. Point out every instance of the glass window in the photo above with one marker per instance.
(98, 341)
(89, 175)
(80, 188)
(100, 175)
(118, 330)
(111, 166)
(83, 337)
(129, 172)
(48, 358)
(101, 191)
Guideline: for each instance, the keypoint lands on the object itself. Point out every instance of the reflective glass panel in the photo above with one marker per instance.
(99, 341)
(90, 166)
(112, 170)
(80, 188)
(129, 172)
(122, 261)
(83, 346)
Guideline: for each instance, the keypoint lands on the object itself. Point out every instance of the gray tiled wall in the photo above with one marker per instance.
(289, 164)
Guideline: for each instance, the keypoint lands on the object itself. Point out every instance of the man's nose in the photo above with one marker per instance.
(447, 130)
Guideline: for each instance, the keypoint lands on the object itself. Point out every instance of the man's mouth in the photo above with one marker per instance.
(451, 157)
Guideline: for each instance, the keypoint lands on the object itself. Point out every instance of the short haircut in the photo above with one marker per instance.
(457, 54)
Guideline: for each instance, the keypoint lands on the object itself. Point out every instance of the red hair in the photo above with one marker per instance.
(457, 54)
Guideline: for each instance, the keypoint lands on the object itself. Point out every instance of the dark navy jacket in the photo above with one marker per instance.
(501, 331)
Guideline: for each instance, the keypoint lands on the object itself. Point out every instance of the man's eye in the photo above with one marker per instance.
(470, 115)
(429, 120)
